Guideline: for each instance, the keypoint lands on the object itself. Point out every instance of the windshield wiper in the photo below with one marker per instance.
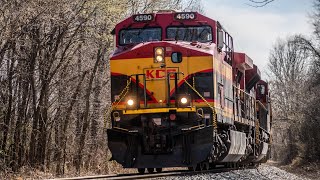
(201, 33)
(143, 29)
(185, 34)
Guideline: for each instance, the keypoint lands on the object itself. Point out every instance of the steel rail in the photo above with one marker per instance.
(150, 175)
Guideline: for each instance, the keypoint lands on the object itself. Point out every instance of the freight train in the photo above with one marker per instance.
(181, 96)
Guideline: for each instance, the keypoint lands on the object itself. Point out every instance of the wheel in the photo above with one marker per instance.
(159, 170)
(204, 166)
(212, 166)
(141, 170)
(198, 168)
(190, 168)
(195, 168)
(150, 170)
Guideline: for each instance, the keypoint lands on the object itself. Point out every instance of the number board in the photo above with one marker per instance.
(185, 16)
(143, 17)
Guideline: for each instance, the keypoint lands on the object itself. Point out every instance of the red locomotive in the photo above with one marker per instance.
(182, 97)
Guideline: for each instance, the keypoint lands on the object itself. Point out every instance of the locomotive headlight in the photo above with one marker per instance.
(159, 51)
(159, 54)
(184, 100)
(159, 58)
(130, 102)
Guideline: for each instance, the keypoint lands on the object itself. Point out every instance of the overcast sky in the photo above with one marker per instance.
(255, 30)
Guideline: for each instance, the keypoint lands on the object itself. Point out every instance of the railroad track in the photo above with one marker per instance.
(150, 175)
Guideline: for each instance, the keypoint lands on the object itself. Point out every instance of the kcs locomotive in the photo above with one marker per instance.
(181, 96)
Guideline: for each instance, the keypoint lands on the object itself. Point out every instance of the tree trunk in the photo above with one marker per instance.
(63, 142)
(43, 119)
(34, 132)
(81, 140)
(8, 113)
(22, 106)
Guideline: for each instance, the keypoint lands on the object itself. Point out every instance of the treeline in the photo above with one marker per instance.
(54, 80)
(294, 68)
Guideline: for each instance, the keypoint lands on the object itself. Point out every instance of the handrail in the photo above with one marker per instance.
(262, 105)
(214, 123)
(175, 84)
(246, 102)
(243, 91)
(144, 87)
(117, 101)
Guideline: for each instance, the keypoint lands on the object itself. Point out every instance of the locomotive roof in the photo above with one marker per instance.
(164, 19)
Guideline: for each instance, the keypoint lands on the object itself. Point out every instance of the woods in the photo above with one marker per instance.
(295, 78)
(54, 80)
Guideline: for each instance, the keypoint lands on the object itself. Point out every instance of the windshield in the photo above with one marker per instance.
(196, 33)
(131, 36)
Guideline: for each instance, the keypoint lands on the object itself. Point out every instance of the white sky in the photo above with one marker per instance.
(255, 30)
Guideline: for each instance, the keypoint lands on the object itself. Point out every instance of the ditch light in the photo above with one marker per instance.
(131, 102)
(184, 100)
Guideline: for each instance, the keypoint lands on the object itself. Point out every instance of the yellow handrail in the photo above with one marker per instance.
(214, 123)
(121, 95)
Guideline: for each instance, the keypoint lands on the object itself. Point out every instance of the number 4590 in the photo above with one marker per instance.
(143, 17)
(185, 16)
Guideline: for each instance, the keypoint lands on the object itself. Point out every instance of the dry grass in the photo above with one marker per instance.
(26, 173)
(111, 167)
(309, 170)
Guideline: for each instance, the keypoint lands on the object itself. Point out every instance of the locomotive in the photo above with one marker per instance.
(181, 96)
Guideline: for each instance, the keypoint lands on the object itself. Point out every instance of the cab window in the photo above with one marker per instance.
(138, 35)
(190, 33)
(261, 89)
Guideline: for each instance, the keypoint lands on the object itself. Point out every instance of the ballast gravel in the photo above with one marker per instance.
(263, 172)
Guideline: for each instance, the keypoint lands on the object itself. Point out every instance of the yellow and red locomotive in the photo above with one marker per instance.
(182, 97)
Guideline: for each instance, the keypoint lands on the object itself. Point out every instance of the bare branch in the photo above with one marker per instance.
(258, 4)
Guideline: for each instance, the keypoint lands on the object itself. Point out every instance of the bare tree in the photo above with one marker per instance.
(310, 127)
(147, 6)
(288, 71)
(259, 3)
(295, 86)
